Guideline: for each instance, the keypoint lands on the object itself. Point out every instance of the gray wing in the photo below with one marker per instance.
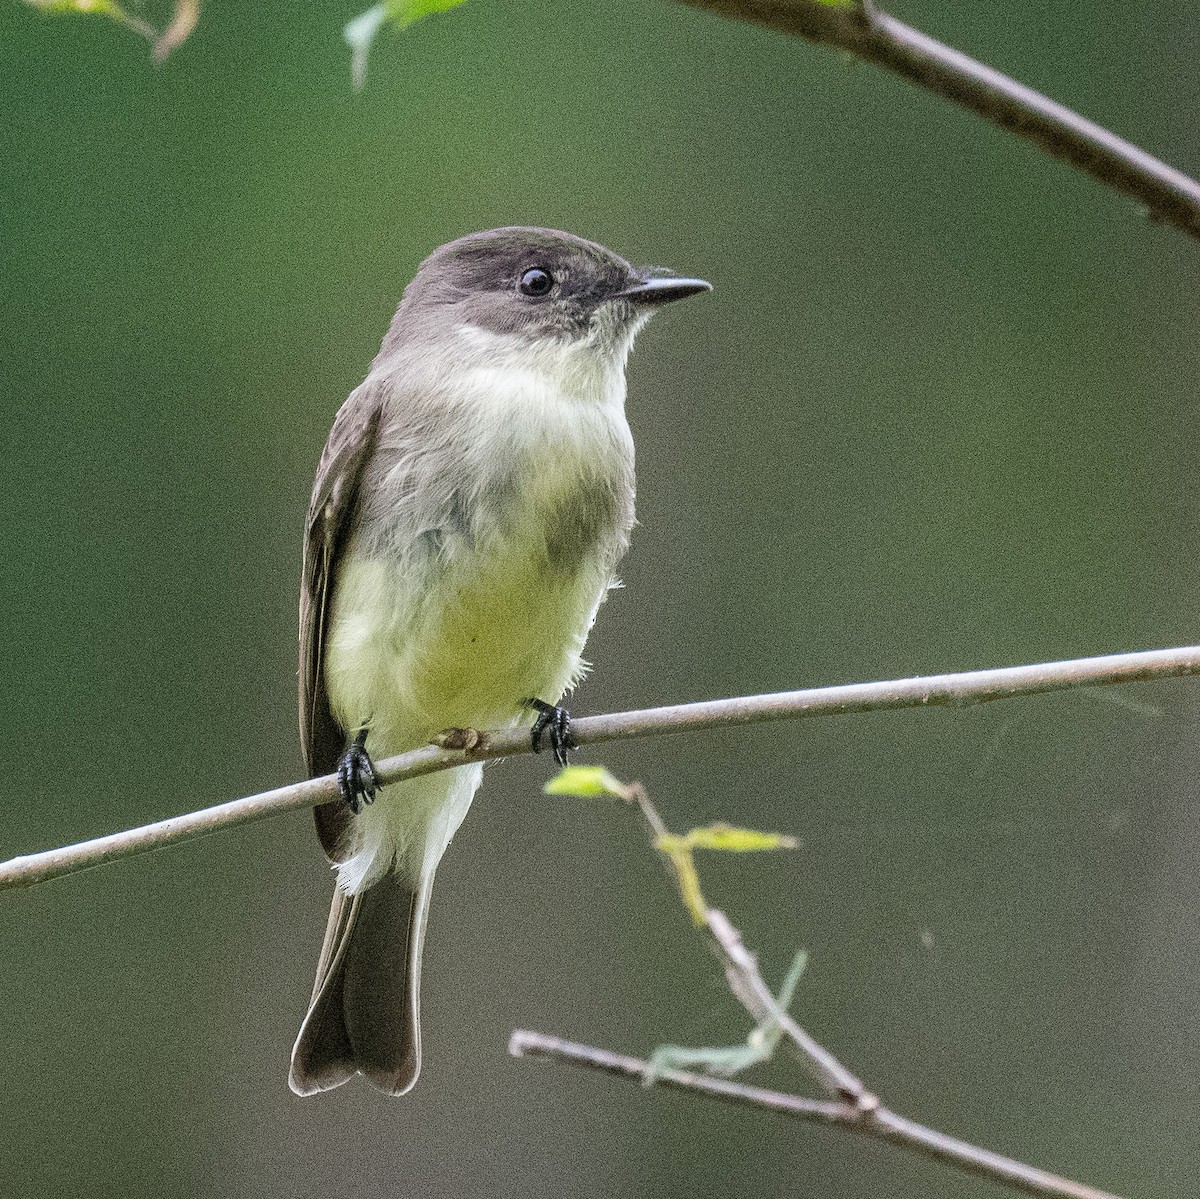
(331, 519)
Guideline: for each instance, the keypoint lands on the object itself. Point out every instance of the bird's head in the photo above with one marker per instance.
(533, 295)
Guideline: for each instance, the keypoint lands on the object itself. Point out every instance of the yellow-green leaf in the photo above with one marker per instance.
(679, 850)
(586, 782)
(737, 840)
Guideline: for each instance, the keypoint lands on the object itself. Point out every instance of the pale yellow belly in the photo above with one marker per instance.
(411, 652)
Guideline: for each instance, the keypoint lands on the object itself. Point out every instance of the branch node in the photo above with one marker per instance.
(470, 741)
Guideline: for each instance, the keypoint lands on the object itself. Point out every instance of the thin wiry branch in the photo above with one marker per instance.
(879, 1122)
(851, 1105)
(865, 31)
(953, 690)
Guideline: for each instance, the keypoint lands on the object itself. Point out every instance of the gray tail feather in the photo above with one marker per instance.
(365, 1013)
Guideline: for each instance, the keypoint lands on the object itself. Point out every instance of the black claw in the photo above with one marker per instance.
(556, 721)
(356, 775)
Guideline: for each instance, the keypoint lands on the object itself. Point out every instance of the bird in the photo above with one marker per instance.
(471, 504)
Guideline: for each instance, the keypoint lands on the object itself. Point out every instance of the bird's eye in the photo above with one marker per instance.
(536, 282)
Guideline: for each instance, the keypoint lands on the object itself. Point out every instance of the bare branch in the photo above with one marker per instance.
(524, 1043)
(879, 1122)
(751, 990)
(954, 690)
(865, 31)
(742, 973)
(852, 1105)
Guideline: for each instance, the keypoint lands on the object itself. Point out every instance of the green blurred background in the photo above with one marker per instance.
(939, 413)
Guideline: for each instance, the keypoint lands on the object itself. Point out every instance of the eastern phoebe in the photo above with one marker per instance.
(470, 507)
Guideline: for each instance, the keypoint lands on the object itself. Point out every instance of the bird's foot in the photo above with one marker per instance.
(356, 776)
(464, 739)
(554, 721)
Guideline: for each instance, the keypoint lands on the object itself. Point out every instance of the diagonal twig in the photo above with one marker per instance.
(742, 973)
(851, 1105)
(875, 36)
(880, 1122)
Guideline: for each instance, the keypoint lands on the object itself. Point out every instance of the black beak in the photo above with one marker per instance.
(662, 291)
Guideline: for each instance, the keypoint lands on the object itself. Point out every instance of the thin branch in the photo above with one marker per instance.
(865, 31)
(748, 984)
(852, 1105)
(741, 967)
(524, 1043)
(953, 690)
(880, 1122)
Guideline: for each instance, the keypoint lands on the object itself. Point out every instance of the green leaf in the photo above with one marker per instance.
(586, 782)
(360, 33)
(737, 840)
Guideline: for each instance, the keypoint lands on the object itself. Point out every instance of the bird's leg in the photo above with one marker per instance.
(356, 774)
(557, 722)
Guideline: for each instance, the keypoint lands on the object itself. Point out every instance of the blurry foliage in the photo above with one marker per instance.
(360, 33)
(183, 19)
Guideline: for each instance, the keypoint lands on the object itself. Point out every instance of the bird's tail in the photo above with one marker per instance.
(365, 1013)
